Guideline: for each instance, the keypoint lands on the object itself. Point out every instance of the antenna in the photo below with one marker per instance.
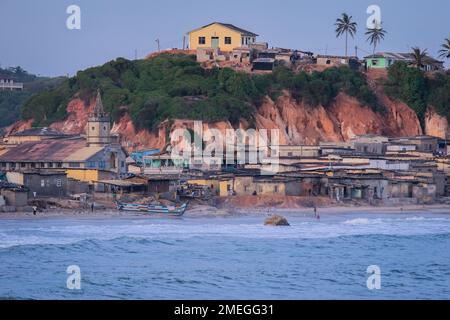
(159, 48)
(184, 42)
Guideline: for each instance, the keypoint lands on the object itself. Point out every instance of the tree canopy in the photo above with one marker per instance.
(176, 87)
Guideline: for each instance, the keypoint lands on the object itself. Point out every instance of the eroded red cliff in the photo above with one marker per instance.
(298, 122)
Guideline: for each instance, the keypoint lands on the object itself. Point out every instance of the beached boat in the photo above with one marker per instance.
(153, 209)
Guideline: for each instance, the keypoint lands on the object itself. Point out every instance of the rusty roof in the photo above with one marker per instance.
(45, 131)
(43, 151)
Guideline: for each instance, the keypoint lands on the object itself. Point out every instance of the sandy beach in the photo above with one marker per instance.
(205, 211)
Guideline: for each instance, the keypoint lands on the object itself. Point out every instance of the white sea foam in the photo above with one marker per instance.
(58, 232)
(359, 221)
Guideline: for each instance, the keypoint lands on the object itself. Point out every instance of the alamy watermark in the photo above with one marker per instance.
(374, 20)
(215, 147)
(374, 279)
(74, 279)
(73, 21)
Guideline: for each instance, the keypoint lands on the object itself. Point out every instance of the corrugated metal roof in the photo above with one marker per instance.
(83, 154)
(43, 151)
(122, 183)
(45, 131)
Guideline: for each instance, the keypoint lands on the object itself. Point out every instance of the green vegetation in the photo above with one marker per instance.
(11, 102)
(177, 87)
(445, 51)
(320, 88)
(411, 86)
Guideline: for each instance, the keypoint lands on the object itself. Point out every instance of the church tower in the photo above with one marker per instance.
(98, 126)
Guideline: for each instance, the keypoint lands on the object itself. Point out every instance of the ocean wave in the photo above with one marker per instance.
(362, 221)
(169, 232)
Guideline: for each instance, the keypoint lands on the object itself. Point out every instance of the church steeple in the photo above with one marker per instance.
(99, 112)
(98, 126)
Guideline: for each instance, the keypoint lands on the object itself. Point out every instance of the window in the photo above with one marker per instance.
(290, 154)
(91, 164)
(328, 61)
(275, 189)
(42, 165)
(50, 165)
(201, 40)
(3, 164)
(227, 40)
(59, 165)
(374, 62)
(23, 165)
(122, 164)
(93, 128)
(74, 165)
(42, 183)
(33, 165)
(101, 164)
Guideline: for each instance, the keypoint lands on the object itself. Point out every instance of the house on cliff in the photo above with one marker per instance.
(222, 36)
(384, 60)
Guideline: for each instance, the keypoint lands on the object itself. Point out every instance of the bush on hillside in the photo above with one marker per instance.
(176, 86)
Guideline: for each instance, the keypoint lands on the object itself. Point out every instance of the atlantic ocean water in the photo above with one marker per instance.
(227, 258)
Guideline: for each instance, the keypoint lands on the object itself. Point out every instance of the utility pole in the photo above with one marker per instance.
(356, 51)
(159, 48)
(184, 42)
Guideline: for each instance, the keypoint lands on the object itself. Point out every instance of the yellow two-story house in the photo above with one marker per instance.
(223, 36)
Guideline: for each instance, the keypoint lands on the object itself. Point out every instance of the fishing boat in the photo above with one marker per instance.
(153, 209)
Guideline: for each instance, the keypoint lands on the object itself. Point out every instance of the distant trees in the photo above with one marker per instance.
(345, 25)
(418, 91)
(177, 87)
(375, 35)
(445, 51)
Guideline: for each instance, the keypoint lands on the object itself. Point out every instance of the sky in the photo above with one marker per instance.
(34, 34)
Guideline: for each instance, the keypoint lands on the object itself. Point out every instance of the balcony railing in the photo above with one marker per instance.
(11, 86)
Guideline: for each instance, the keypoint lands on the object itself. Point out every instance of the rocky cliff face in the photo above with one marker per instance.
(435, 125)
(343, 120)
(298, 123)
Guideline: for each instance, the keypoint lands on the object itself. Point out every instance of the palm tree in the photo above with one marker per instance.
(345, 25)
(418, 56)
(375, 35)
(445, 51)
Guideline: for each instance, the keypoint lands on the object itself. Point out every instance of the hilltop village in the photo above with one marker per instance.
(45, 167)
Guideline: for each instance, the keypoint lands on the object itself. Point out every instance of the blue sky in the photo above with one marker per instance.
(34, 34)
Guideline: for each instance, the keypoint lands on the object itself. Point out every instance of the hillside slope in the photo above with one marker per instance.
(150, 98)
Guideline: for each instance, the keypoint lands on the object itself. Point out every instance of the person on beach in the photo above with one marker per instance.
(34, 210)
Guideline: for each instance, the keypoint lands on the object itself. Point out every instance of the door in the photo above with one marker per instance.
(215, 42)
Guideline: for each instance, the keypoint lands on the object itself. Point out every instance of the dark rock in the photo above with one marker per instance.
(276, 220)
